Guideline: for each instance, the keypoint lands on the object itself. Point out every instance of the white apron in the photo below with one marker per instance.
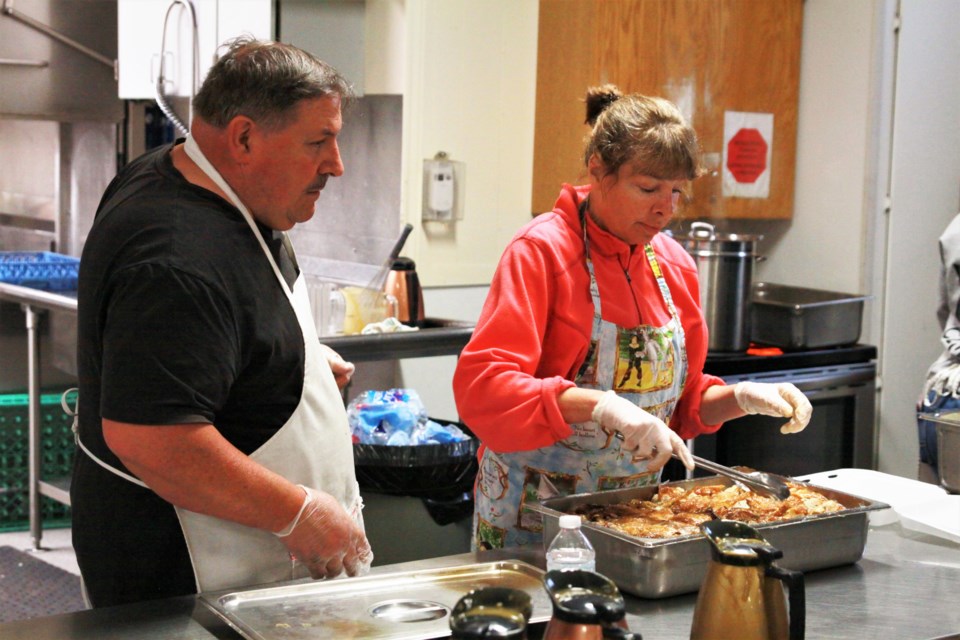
(312, 448)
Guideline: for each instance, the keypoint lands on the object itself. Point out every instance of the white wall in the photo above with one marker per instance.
(471, 90)
(431, 377)
(822, 248)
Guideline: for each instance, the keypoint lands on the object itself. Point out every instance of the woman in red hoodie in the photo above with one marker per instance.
(591, 340)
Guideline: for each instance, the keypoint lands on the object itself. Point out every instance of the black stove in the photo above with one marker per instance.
(721, 364)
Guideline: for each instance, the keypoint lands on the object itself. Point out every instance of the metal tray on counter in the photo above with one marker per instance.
(657, 568)
(404, 605)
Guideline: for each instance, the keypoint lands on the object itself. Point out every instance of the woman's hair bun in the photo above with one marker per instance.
(598, 99)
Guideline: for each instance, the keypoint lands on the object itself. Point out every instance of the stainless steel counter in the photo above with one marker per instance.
(904, 588)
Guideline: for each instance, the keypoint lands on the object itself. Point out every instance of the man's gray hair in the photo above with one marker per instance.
(264, 81)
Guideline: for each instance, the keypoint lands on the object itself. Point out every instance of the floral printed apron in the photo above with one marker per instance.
(644, 364)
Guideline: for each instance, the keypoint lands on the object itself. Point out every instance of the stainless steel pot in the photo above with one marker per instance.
(725, 264)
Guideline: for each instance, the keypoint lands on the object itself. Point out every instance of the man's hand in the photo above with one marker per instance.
(326, 539)
(342, 370)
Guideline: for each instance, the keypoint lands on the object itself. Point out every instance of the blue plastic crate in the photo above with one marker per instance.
(39, 270)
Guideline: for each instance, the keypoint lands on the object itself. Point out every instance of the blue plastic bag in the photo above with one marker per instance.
(396, 417)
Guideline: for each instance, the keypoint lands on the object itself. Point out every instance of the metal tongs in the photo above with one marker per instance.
(760, 482)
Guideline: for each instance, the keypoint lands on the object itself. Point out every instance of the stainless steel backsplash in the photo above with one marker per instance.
(358, 215)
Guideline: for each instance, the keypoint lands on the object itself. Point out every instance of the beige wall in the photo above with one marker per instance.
(822, 246)
(470, 92)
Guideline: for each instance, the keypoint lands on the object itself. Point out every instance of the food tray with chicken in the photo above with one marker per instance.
(649, 543)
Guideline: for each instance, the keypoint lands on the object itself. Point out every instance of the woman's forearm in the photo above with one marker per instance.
(718, 404)
(576, 404)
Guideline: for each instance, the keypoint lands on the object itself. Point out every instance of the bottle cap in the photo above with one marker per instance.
(570, 521)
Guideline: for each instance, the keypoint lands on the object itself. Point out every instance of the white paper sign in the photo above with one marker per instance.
(747, 149)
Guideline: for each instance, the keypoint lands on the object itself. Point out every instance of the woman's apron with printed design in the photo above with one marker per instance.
(646, 365)
(313, 448)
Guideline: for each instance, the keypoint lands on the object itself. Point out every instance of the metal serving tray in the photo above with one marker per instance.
(657, 568)
(798, 318)
(407, 605)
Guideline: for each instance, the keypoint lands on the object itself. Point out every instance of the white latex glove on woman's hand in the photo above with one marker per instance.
(326, 539)
(781, 399)
(342, 370)
(643, 433)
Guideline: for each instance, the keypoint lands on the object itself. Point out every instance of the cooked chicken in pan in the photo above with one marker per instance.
(679, 511)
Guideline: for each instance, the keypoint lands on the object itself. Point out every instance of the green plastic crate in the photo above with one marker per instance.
(56, 459)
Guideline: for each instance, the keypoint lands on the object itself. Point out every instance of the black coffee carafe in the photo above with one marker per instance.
(404, 285)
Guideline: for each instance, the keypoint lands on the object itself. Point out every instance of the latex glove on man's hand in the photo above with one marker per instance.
(643, 433)
(781, 399)
(326, 539)
(342, 370)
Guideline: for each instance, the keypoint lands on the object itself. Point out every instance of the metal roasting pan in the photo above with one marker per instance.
(658, 568)
(403, 605)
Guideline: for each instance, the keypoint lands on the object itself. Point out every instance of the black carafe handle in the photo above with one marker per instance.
(797, 598)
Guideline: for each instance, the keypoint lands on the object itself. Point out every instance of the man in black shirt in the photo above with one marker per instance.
(215, 450)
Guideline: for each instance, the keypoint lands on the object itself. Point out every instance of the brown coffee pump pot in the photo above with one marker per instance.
(586, 606)
(741, 595)
(404, 285)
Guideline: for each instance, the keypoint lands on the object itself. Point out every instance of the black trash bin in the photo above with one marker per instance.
(394, 479)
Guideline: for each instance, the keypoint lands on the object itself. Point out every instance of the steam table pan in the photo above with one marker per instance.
(947, 424)
(799, 318)
(403, 606)
(658, 568)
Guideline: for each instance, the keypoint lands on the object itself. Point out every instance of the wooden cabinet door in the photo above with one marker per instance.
(710, 57)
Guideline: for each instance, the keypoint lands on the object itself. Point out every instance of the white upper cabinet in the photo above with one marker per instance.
(141, 36)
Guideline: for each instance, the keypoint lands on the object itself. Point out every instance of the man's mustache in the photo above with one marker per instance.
(319, 184)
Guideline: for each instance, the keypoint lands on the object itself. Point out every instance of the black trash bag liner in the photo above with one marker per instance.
(445, 510)
(426, 470)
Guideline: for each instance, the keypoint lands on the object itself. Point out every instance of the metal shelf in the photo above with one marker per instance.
(34, 302)
(437, 337)
(56, 488)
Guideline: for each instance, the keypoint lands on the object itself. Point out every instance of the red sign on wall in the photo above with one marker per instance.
(747, 155)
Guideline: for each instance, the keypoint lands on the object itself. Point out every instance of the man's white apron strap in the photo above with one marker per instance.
(74, 412)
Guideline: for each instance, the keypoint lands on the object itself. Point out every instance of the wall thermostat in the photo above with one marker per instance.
(442, 189)
(440, 197)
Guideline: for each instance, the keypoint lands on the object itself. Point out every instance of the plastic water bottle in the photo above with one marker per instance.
(571, 549)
